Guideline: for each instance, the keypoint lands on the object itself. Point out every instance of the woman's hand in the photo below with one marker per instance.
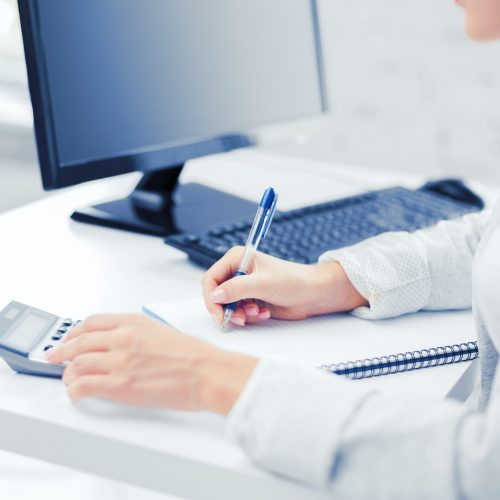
(137, 360)
(277, 288)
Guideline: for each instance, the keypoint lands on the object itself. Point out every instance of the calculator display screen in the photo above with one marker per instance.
(25, 334)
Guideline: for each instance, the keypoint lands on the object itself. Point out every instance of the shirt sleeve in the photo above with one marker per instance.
(402, 272)
(338, 436)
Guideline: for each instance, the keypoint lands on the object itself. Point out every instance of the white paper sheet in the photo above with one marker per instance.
(322, 340)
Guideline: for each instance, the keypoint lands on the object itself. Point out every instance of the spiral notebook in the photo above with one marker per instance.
(341, 343)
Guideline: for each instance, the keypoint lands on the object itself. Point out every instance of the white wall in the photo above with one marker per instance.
(409, 90)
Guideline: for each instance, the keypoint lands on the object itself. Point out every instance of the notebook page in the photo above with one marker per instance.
(322, 340)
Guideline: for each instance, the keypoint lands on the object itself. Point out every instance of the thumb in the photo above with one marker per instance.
(239, 288)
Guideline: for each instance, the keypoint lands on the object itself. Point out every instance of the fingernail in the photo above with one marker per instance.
(238, 321)
(218, 296)
(49, 354)
(251, 311)
(215, 318)
(264, 315)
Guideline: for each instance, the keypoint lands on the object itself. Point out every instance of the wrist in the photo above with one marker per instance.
(334, 289)
(221, 380)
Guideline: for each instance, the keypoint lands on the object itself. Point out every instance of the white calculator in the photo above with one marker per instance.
(26, 333)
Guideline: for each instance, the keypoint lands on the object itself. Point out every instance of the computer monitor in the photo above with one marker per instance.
(125, 85)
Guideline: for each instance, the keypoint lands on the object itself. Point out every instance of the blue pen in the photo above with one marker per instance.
(258, 232)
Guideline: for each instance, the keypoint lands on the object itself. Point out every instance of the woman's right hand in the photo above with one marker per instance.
(277, 288)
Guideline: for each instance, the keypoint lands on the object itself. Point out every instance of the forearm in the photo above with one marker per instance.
(334, 434)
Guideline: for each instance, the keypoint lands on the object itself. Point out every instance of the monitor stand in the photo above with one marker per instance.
(160, 206)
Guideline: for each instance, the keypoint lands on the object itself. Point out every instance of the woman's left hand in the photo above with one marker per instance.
(137, 360)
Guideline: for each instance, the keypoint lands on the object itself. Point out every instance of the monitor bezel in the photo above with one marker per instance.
(54, 174)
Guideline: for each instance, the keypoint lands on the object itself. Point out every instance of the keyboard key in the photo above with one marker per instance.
(222, 249)
(191, 238)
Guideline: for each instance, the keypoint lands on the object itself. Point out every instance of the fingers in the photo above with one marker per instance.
(222, 270)
(97, 363)
(220, 287)
(91, 363)
(99, 322)
(92, 385)
(251, 309)
(91, 342)
(238, 318)
(239, 288)
(263, 315)
(225, 267)
(258, 314)
(254, 312)
(213, 308)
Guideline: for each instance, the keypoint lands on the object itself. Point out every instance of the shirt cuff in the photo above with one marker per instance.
(390, 271)
(290, 419)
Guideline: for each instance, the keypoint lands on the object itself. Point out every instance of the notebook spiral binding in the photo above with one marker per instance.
(395, 363)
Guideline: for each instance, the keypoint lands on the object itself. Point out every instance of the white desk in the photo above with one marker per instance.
(73, 269)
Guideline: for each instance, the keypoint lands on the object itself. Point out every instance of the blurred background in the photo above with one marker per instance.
(407, 90)
(19, 178)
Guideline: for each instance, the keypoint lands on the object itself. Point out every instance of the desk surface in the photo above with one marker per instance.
(72, 269)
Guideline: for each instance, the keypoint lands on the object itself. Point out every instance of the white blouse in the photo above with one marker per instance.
(339, 436)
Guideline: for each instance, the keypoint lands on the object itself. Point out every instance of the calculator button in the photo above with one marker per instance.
(62, 329)
(47, 347)
(67, 322)
(57, 336)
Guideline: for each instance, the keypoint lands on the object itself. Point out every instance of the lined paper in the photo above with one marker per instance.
(322, 340)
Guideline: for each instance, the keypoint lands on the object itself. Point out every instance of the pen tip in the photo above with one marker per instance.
(227, 318)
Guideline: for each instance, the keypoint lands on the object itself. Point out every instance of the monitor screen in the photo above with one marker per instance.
(125, 78)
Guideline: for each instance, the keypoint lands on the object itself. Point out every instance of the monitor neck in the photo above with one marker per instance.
(152, 198)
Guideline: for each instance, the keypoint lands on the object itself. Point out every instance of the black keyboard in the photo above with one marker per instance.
(302, 235)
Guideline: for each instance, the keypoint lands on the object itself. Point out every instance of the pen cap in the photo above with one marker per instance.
(270, 215)
(268, 199)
